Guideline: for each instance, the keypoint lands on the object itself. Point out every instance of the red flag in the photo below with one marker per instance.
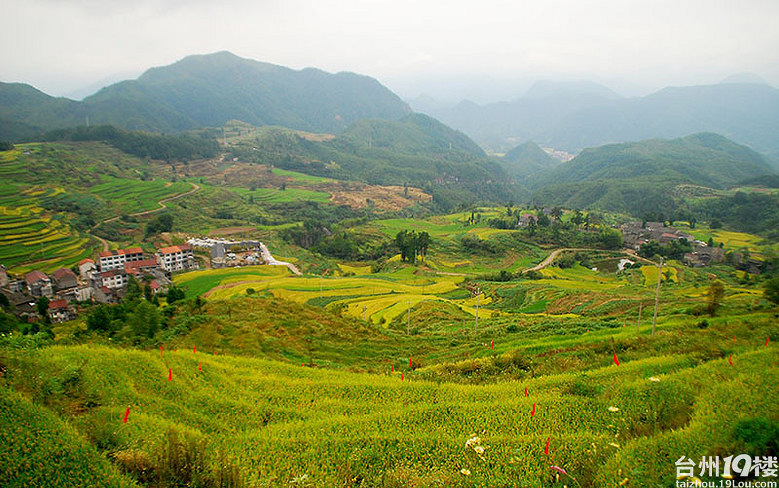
(199, 368)
(546, 448)
(214, 353)
(160, 351)
(126, 414)
(194, 349)
(766, 341)
(526, 391)
(409, 363)
(393, 368)
(533, 413)
(616, 361)
(492, 343)
(730, 359)
(170, 374)
(401, 376)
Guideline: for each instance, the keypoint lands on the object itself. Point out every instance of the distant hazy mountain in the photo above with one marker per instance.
(545, 107)
(571, 120)
(640, 176)
(209, 90)
(527, 159)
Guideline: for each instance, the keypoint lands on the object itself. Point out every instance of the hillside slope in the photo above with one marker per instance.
(639, 178)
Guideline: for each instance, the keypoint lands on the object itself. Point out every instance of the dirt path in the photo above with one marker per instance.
(162, 206)
(550, 259)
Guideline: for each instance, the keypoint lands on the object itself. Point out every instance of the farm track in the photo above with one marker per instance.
(161, 204)
(550, 259)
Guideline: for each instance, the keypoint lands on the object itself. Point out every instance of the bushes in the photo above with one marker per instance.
(181, 460)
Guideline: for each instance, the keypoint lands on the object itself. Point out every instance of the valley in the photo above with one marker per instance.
(276, 277)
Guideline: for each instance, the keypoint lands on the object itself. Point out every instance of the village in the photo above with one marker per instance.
(105, 279)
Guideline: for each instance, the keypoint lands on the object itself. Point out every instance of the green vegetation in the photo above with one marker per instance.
(141, 144)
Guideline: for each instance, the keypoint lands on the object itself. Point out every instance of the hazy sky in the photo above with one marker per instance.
(438, 47)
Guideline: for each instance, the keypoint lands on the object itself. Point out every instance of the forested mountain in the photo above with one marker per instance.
(747, 113)
(207, 90)
(640, 177)
(416, 150)
(527, 159)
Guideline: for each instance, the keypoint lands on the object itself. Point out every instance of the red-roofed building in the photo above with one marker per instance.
(140, 268)
(114, 278)
(176, 258)
(117, 259)
(38, 284)
(86, 266)
(59, 311)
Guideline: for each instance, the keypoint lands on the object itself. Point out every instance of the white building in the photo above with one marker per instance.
(176, 258)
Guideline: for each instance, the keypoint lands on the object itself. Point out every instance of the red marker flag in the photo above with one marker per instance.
(126, 414)
(616, 361)
(492, 343)
(160, 351)
(766, 341)
(170, 374)
(730, 359)
(401, 376)
(199, 368)
(194, 349)
(409, 363)
(393, 368)
(546, 448)
(533, 413)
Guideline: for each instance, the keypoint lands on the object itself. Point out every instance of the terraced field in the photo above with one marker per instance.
(379, 298)
(578, 420)
(132, 196)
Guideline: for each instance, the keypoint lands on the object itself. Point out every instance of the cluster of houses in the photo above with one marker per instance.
(226, 253)
(101, 281)
(636, 234)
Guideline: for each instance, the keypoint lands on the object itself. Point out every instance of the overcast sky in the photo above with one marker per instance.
(442, 48)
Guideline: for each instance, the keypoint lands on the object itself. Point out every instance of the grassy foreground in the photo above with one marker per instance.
(243, 421)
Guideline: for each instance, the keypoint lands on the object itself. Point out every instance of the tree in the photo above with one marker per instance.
(161, 223)
(99, 319)
(716, 292)
(771, 289)
(175, 294)
(4, 302)
(42, 306)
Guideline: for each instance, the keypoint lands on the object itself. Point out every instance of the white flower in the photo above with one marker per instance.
(479, 449)
(654, 378)
(613, 409)
(473, 441)
(466, 472)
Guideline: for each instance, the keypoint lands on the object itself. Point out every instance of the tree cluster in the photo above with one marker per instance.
(412, 244)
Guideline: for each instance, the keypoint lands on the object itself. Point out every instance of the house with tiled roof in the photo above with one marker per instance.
(38, 284)
(64, 279)
(141, 268)
(176, 258)
(117, 259)
(59, 311)
(86, 266)
(114, 278)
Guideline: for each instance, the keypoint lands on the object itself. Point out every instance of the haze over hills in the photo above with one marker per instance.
(640, 176)
(573, 119)
(208, 90)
